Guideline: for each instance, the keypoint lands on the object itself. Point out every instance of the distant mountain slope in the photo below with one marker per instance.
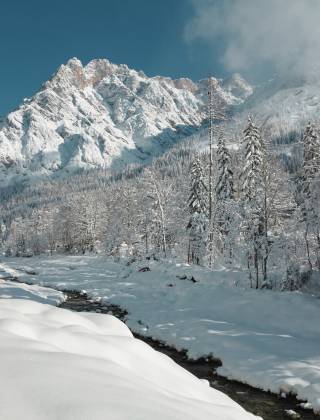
(284, 107)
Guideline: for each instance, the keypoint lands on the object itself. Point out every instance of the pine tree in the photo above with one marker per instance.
(224, 187)
(197, 199)
(224, 192)
(254, 150)
(253, 196)
(198, 213)
(216, 116)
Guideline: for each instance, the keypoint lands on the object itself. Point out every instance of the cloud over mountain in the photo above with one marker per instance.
(257, 33)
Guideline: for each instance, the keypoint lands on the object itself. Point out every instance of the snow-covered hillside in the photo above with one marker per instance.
(284, 107)
(100, 114)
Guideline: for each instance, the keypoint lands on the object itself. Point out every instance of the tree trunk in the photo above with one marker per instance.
(256, 265)
(308, 247)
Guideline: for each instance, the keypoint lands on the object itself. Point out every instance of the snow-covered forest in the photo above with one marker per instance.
(248, 208)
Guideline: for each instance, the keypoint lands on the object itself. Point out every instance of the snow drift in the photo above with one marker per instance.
(56, 364)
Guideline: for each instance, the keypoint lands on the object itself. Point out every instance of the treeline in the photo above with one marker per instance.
(258, 216)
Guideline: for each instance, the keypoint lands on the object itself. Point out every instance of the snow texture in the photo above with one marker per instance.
(14, 290)
(57, 364)
(284, 107)
(268, 339)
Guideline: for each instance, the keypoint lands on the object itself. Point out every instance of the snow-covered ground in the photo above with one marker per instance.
(13, 290)
(57, 364)
(267, 339)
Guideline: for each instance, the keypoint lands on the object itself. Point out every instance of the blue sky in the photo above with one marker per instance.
(39, 35)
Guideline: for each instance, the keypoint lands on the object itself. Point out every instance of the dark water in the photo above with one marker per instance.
(267, 405)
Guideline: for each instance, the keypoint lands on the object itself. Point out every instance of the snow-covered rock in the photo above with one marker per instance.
(57, 364)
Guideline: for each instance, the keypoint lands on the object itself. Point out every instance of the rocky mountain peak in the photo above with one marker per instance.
(99, 114)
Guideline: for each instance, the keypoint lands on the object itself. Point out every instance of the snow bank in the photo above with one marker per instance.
(57, 364)
(268, 339)
(13, 290)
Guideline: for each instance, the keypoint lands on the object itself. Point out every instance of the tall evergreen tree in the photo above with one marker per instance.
(197, 199)
(224, 192)
(198, 213)
(224, 187)
(253, 160)
(252, 192)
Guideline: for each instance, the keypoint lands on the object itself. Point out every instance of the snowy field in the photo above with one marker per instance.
(270, 340)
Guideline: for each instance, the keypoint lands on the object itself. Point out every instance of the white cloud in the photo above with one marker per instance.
(285, 33)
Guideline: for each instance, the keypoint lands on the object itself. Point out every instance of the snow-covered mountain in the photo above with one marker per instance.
(100, 114)
(284, 107)
(108, 115)
(237, 87)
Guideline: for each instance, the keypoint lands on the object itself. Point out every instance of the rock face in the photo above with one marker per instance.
(100, 114)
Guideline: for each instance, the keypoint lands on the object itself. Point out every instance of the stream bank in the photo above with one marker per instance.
(265, 404)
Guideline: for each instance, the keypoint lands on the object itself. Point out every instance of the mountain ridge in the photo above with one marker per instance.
(99, 114)
(107, 115)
